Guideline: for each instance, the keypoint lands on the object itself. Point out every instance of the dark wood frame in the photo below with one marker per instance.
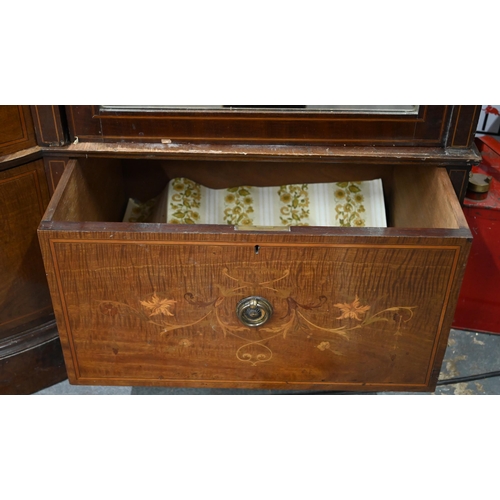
(437, 136)
(433, 126)
(20, 133)
(50, 125)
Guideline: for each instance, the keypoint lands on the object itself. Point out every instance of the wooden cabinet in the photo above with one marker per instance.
(30, 352)
(431, 126)
(156, 304)
(441, 135)
(170, 304)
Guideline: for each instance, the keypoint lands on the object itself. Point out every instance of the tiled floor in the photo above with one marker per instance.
(468, 354)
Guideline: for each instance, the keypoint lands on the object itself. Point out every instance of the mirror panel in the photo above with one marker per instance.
(357, 109)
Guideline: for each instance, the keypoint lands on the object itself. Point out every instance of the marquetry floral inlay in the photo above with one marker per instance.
(156, 306)
(353, 310)
(254, 348)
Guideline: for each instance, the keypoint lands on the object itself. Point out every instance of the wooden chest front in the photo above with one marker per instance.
(353, 309)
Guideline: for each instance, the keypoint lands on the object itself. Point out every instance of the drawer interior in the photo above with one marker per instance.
(97, 189)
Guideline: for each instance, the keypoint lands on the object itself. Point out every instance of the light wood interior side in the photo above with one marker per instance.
(423, 197)
(91, 190)
(98, 189)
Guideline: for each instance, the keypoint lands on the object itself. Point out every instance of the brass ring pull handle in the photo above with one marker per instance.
(254, 311)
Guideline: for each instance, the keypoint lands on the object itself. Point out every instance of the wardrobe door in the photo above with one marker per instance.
(30, 352)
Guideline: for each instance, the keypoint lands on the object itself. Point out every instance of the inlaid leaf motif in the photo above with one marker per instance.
(323, 346)
(257, 349)
(158, 306)
(353, 310)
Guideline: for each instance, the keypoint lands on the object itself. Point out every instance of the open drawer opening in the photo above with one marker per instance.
(98, 190)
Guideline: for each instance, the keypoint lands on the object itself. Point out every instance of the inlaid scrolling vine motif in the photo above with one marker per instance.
(254, 349)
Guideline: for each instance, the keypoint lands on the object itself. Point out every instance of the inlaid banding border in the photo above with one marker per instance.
(454, 248)
(94, 123)
(24, 130)
(39, 198)
(54, 124)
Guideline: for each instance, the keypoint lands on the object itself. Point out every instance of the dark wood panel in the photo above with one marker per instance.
(18, 158)
(50, 125)
(24, 295)
(16, 129)
(30, 350)
(429, 127)
(456, 160)
(54, 168)
(460, 179)
(83, 123)
(31, 361)
(463, 126)
(245, 152)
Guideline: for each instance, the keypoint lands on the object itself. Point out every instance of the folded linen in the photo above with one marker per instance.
(138, 211)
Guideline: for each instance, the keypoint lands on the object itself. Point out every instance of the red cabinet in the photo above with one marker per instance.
(478, 306)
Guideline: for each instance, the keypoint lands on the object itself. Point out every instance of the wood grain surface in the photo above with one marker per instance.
(424, 198)
(153, 304)
(429, 127)
(50, 125)
(271, 152)
(420, 197)
(31, 360)
(54, 168)
(163, 312)
(458, 162)
(24, 295)
(16, 129)
(30, 351)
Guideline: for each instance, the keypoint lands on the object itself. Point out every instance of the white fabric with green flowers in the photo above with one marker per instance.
(346, 204)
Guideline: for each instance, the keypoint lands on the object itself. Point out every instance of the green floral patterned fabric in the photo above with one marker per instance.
(345, 204)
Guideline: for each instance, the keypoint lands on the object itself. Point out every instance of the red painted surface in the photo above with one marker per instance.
(491, 110)
(478, 306)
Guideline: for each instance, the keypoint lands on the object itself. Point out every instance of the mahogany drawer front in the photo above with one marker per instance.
(148, 304)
